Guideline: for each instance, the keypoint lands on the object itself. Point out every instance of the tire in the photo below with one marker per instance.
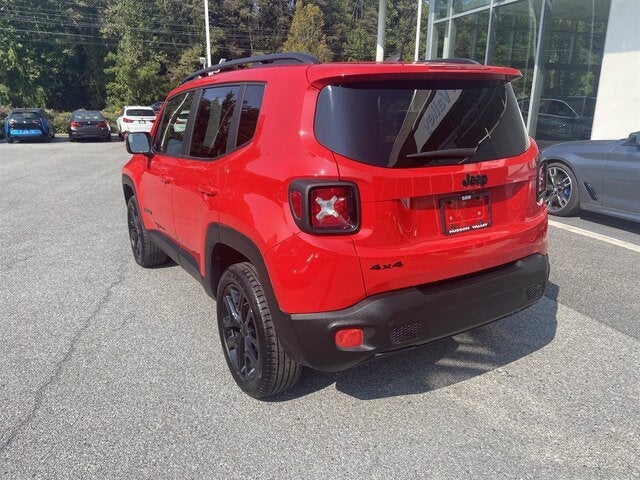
(145, 252)
(564, 191)
(71, 139)
(254, 355)
(9, 140)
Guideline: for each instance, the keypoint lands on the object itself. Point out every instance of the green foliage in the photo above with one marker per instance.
(359, 47)
(401, 29)
(134, 75)
(306, 33)
(51, 52)
(103, 54)
(60, 121)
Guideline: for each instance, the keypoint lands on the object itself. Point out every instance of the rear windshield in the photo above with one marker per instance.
(139, 112)
(409, 124)
(96, 116)
(25, 116)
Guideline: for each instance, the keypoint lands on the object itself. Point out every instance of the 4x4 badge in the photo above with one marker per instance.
(386, 266)
(475, 180)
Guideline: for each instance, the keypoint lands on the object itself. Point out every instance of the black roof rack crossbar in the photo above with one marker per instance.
(288, 58)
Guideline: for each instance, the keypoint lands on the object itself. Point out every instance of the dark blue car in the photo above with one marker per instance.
(28, 124)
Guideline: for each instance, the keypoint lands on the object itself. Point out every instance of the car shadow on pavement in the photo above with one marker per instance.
(443, 363)
(612, 222)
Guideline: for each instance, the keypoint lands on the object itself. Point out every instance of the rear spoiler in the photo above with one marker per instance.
(320, 75)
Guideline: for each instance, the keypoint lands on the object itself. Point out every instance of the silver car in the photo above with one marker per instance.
(597, 175)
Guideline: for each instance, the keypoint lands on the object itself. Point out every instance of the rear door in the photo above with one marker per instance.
(446, 174)
(223, 121)
(201, 174)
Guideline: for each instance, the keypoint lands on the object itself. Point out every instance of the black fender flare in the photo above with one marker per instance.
(218, 234)
(127, 182)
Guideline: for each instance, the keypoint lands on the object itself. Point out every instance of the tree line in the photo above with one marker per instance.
(68, 54)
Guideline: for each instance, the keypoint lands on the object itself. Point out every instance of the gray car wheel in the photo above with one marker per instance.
(564, 194)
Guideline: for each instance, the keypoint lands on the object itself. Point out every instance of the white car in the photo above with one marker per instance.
(135, 119)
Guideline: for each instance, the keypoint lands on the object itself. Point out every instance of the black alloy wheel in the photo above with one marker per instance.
(254, 355)
(240, 337)
(145, 252)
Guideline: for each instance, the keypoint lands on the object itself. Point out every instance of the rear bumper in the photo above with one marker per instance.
(94, 133)
(136, 127)
(419, 315)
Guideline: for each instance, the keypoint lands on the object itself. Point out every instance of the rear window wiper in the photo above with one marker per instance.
(462, 154)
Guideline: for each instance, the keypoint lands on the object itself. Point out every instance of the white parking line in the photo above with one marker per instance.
(597, 236)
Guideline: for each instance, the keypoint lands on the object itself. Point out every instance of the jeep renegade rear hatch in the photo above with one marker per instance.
(444, 167)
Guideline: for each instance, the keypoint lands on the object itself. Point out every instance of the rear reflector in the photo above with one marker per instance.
(296, 204)
(349, 337)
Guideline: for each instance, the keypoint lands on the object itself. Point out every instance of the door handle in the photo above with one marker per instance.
(209, 190)
(165, 178)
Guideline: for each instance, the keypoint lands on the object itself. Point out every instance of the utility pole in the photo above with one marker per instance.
(206, 29)
(382, 21)
(418, 25)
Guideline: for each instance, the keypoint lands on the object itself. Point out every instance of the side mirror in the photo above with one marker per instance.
(139, 142)
(635, 138)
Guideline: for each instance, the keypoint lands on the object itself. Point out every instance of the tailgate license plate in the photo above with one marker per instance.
(142, 121)
(465, 213)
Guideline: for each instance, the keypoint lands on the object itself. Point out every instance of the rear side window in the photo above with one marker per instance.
(399, 124)
(213, 121)
(249, 115)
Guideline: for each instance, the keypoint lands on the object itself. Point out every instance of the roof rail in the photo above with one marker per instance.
(451, 60)
(288, 58)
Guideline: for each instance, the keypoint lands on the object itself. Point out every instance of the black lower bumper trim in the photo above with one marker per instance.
(419, 315)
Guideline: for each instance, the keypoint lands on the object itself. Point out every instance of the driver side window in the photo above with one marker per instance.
(171, 131)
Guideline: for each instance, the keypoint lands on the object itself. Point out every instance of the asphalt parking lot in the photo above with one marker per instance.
(108, 370)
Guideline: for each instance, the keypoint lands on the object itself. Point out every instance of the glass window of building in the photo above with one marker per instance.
(469, 36)
(558, 89)
(460, 6)
(573, 44)
(441, 8)
(441, 39)
(514, 41)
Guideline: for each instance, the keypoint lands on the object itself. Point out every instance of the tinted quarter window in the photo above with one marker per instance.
(213, 122)
(170, 133)
(249, 115)
(388, 124)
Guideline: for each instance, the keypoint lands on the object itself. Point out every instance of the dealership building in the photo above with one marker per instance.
(580, 59)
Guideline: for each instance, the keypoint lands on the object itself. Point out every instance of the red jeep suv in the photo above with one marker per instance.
(341, 211)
